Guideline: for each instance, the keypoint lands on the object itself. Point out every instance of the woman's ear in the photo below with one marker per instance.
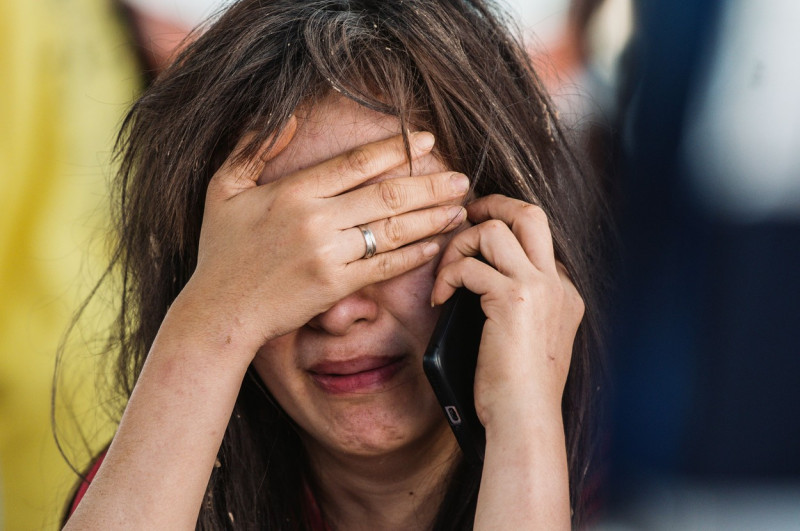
(284, 136)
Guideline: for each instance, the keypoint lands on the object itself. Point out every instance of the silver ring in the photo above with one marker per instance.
(369, 240)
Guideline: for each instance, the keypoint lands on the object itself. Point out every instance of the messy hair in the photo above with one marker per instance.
(450, 67)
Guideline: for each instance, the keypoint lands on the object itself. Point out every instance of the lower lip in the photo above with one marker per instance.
(360, 382)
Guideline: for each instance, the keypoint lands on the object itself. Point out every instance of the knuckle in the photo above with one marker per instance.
(309, 226)
(357, 160)
(539, 291)
(320, 265)
(284, 190)
(393, 231)
(390, 194)
(535, 213)
(386, 266)
(576, 302)
(570, 294)
(317, 264)
(494, 225)
(307, 231)
(520, 294)
(580, 308)
(315, 219)
(326, 254)
(434, 187)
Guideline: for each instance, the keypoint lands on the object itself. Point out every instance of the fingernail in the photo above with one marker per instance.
(459, 182)
(423, 140)
(430, 249)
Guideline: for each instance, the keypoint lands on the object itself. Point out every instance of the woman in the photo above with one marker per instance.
(270, 349)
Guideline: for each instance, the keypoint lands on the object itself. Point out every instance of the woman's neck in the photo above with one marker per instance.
(401, 490)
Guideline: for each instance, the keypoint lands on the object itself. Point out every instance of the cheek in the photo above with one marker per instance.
(408, 299)
(275, 362)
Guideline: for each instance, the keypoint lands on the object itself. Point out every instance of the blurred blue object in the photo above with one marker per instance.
(706, 327)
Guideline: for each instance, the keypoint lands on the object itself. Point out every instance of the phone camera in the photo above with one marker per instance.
(452, 412)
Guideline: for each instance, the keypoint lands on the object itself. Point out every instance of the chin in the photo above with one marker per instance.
(384, 428)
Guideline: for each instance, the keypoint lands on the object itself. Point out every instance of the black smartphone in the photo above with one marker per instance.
(449, 363)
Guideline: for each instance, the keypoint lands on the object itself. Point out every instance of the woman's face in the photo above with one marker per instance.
(352, 377)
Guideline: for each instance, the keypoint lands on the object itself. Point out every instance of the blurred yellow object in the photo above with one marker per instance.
(67, 74)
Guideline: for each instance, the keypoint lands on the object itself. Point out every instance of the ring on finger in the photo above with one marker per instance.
(369, 240)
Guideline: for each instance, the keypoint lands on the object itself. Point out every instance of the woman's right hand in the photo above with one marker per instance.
(272, 256)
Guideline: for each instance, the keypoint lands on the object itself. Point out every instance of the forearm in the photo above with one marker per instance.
(156, 470)
(525, 483)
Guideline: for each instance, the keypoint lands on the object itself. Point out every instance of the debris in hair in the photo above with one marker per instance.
(333, 85)
(548, 122)
(209, 499)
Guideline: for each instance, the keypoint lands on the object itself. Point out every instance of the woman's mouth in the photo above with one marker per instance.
(359, 375)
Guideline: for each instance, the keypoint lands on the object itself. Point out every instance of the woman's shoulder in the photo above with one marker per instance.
(86, 480)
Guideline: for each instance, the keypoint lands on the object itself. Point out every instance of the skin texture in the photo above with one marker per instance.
(280, 283)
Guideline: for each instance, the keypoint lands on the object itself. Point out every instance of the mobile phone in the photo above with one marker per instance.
(449, 363)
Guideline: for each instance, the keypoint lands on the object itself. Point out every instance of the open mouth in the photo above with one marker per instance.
(360, 375)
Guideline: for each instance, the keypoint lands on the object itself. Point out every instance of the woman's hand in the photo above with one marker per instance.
(532, 315)
(273, 256)
(532, 308)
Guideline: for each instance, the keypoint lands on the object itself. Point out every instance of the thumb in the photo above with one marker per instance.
(238, 174)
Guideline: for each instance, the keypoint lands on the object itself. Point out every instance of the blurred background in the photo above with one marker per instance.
(69, 69)
(687, 113)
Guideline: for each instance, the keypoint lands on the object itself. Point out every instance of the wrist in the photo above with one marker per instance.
(522, 422)
(195, 323)
(522, 407)
(525, 481)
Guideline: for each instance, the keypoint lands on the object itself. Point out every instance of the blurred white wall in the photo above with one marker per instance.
(743, 134)
(541, 20)
(186, 13)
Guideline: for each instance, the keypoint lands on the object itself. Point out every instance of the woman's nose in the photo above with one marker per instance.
(342, 317)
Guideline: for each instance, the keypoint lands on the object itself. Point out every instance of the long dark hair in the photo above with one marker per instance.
(450, 67)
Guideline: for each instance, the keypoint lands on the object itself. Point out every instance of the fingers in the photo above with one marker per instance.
(396, 231)
(512, 235)
(396, 196)
(478, 277)
(392, 264)
(346, 171)
(458, 267)
(495, 242)
(528, 223)
(237, 174)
